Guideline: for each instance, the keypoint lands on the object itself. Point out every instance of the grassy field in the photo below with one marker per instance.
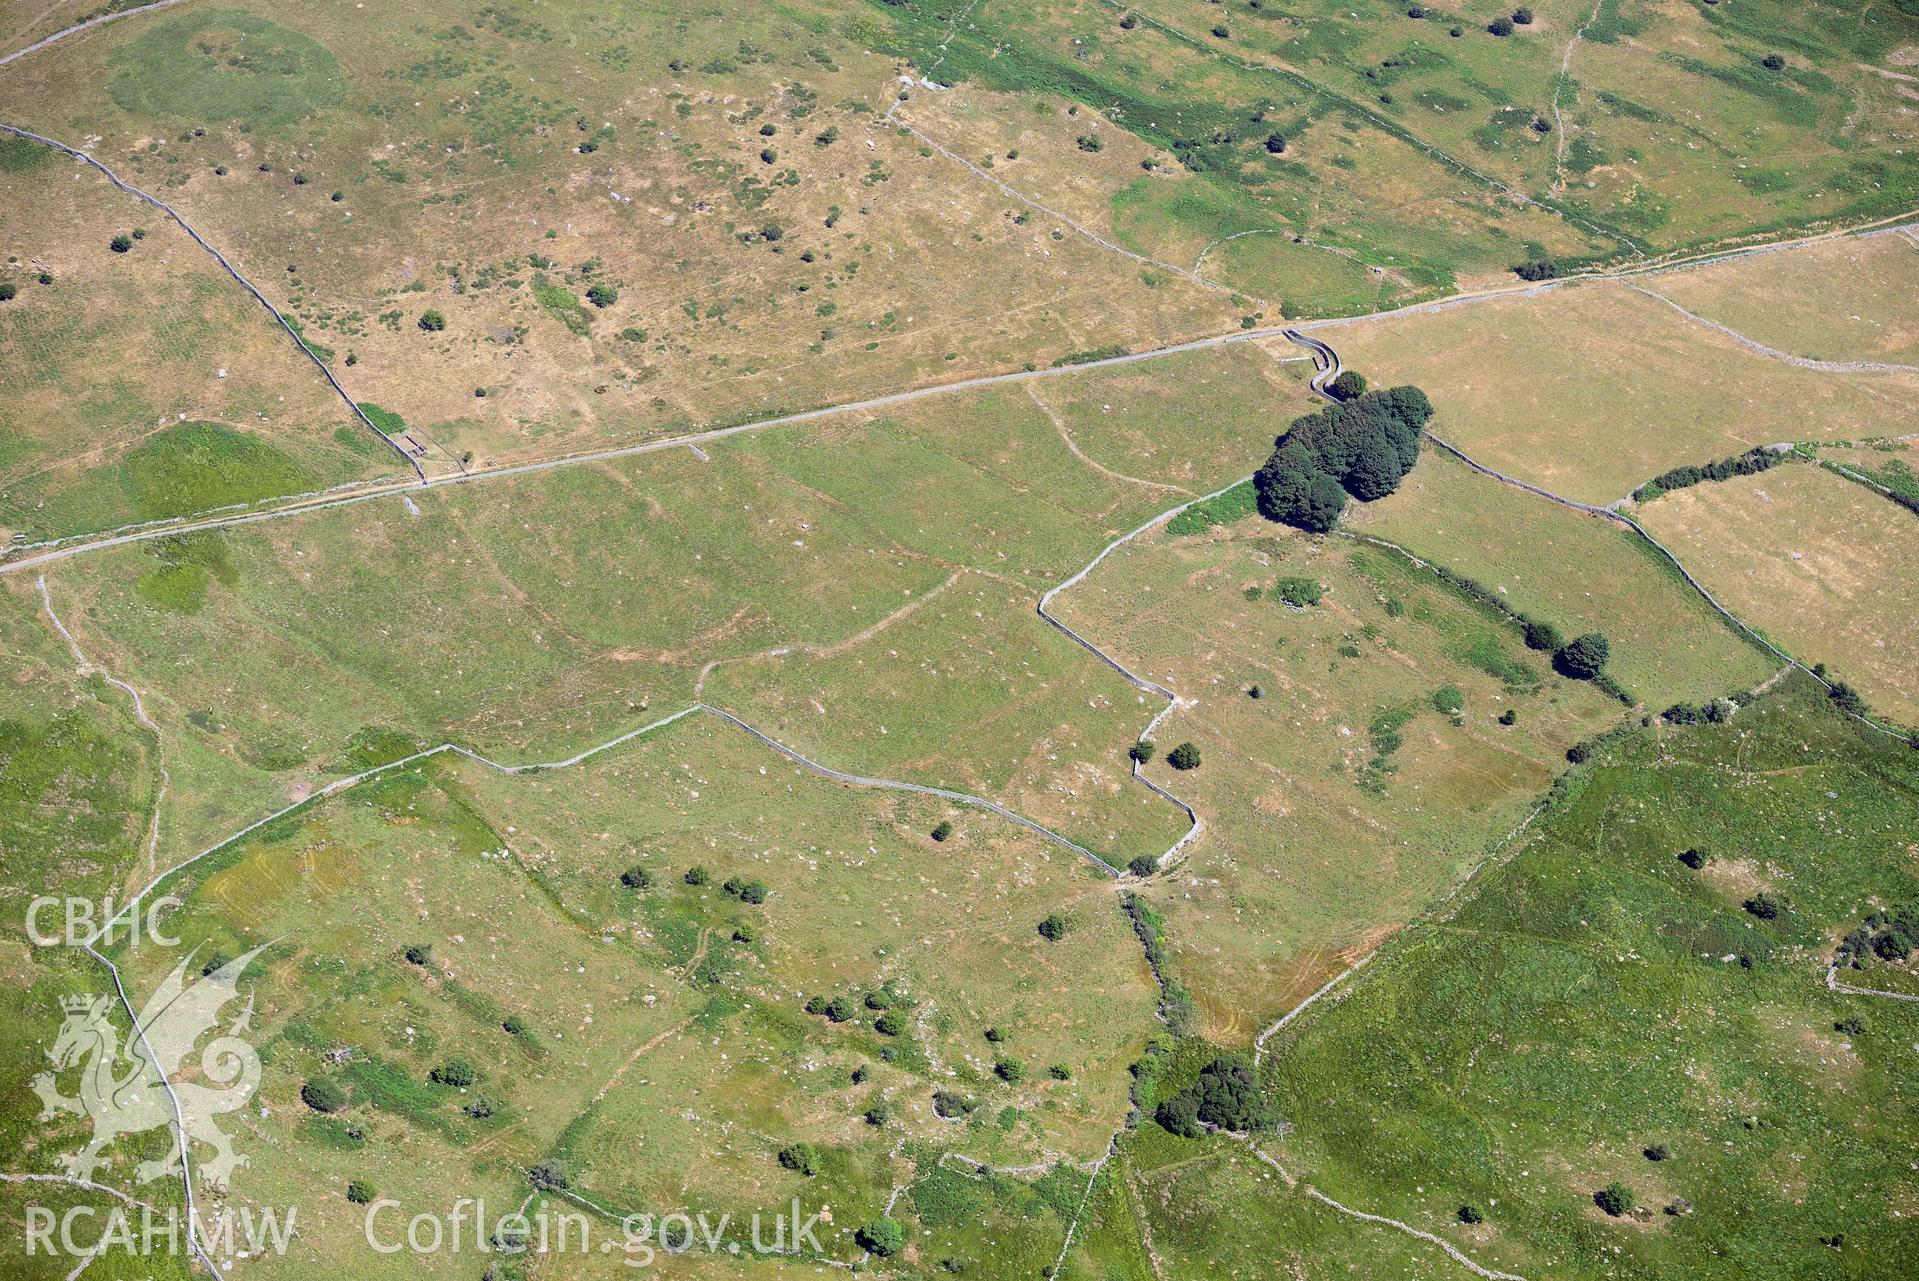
(766, 243)
(1822, 565)
(148, 383)
(1584, 1005)
(663, 1055)
(1579, 572)
(536, 616)
(1349, 792)
(1840, 300)
(1591, 390)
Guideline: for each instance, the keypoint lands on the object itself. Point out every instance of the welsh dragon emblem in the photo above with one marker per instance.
(124, 1086)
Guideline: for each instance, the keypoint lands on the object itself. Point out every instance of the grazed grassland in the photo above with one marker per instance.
(1342, 799)
(1586, 1004)
(1591, 390)
(144, 384)
(486, 167)
(662, 1053)
(1841, 300)
(1579, 572)
(535, 616)
(1824, 566)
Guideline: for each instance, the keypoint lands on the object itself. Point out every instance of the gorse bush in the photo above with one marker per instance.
(1363, 447)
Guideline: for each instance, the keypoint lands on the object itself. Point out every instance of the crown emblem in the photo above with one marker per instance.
(77, 1002)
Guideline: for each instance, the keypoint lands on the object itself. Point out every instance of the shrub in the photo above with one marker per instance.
(1470, 1214)
(360, 1192)
(1143, 866)
(695, 876)
(549, 1175)
(432, 321)
(1009, 1070)
(120, 244)
(1583, 657)
(951, 1105)
(420, 954)
(745, 933)
(1141, 752)
(1846, 699)
(1053, 927)
(1615, 1199)
(514, 1025)
(1537, 269)
(323, 1095)
(1448, 701)
(891, 1023)
(882, 1237)
(1773, 62)
(803, 1157)
(636, 878)
(1089, 142)
(877, 1115)
(1221, 33)
(1300, 593)
(1764, 906)
(1184, 757)
(1692, 858)
(840, 1009)
(454, 1072)
(769, 156)
(1509, 717)
(1523, 16)
(1500, 26)
(941, 831)
(7, 291)
(479, 1108)
(1658, 1152)
(1276, 144)
(1851, 1025)
(602, 295)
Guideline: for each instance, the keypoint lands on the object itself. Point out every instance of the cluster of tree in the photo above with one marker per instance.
(1750, 463)
(1712, 713)
(1225, 1097)
(1363, 447)
(455, 1072)
(1892, 935)
(744, 890)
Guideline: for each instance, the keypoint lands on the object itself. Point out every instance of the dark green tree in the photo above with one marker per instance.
(1185, 756)
(323, 1095)
(882, 1237)
(1349, 385)
(1583, 657)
